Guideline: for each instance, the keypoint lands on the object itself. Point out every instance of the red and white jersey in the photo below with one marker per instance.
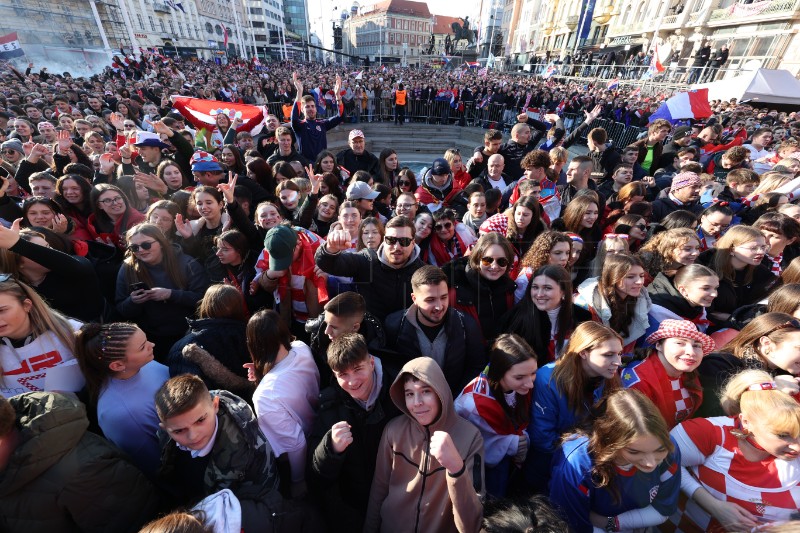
(711, 458)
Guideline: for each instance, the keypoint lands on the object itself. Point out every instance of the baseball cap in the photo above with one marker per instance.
(440, 166)
(280, 243)
(204, 162)
(361, 191)
(681, 132)
(355, 134)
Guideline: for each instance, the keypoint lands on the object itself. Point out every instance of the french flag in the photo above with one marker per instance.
(10, 47)
(687, 104)
(613, 84)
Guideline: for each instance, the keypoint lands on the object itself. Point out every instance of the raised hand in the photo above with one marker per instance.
(227, 189)
(338, 87)
(125, 151)
(593, 114)
(338, 240)
(162, 129)
(60, 223)
(64, 142)
(117, 121)
(341, 436)
(8, 237)
(443, 449)
(28, 148)
(183, 227)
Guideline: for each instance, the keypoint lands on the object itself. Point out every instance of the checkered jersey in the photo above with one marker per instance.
(712, 459)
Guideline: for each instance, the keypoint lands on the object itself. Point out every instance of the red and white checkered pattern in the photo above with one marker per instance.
(768, 489)
(683, 400)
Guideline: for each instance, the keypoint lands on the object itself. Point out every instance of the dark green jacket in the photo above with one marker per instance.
(64, 479)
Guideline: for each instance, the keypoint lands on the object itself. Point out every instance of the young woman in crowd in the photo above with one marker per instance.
(231, 158)
(295, 206)
(136, 193)
(565, 391)
(618, 298)
(684, 297)
(158, 286)
(781, 232)
(122, 379)
(741, 472)
(327, 209)
(37, 339)
(406, 183)
(714, 222)
(370, 234)
(450, 239)
(480, 284)
(326, 163)
(43, 212)
(581, 217)
(737, 260)
(623, 474)
(389, 167)
(198, 235)
(283, 171)
(498, 402)
(612, 243)
(461, 177)
(668, 251)
(545, 316)
(215, 346)
(770, 342)
(521, 224)
(423, 226)
(73, 195)
(68, 282)
(668, 376)
(635, 227)
(170, 173)
(549, 248)
(260, 172)
(350, 219)
(287, 393)
(111, 216)
(162, 214)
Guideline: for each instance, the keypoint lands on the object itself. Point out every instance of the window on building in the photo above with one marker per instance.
(141, 21)
(209, 28)
(171, 27)
(256, 11)
(180, 29)
(257, 24)
(152, 24)
(161, 23)
(218, 29)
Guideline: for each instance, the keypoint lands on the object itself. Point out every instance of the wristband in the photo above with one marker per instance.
(612, 524)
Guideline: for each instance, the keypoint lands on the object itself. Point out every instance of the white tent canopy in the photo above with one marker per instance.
(759, 86)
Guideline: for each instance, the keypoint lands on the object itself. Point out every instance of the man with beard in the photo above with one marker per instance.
(431, 327)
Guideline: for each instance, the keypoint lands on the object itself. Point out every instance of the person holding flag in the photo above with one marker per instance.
(311, 132)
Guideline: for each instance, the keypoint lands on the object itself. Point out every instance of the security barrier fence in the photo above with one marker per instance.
(464, 114)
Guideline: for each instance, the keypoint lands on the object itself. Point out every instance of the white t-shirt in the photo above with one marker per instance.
(758, 154)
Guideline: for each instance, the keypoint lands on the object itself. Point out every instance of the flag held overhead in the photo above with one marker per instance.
(687, 104)
(10, 47)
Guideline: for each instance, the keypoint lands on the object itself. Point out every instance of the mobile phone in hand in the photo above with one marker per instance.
(138, 286)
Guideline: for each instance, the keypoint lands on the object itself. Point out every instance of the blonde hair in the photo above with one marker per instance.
(779, 411)
(735, 236)
(771, 181)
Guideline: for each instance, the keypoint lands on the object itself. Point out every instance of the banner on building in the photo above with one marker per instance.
(585, 21)
(10, 47)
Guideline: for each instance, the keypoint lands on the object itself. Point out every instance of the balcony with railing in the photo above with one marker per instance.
(628, 29)
(755, 12)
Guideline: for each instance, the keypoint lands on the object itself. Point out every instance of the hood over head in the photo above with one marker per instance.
(426, 370)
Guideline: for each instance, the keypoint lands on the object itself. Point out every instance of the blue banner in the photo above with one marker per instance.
(585, 21)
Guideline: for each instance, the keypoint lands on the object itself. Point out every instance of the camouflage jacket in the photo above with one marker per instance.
(241, 459)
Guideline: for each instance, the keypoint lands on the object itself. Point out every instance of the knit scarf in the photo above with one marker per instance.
(443, 252)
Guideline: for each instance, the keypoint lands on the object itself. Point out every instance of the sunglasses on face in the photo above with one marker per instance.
(502, 262)
(443, 226)
(641, 226)
(144, 246)
(794, 323)
(9, 152)
(404, 183)
(402, 241)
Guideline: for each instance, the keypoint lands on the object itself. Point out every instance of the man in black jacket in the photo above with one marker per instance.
(343, 444)
(718, 60)
(701, 58)
(432, 328)
(357, 157)
(383, 276)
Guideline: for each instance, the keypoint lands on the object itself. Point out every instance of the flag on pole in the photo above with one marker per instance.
(358, 75)
(175, 5)
(551, 70)
(483, 72)
(10, 47)
(225, 33)
(445, 58)
(686, 104)
(613, 85)
(472, 64)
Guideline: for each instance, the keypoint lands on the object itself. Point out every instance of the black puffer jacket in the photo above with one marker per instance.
(223, 338)
(65, 479)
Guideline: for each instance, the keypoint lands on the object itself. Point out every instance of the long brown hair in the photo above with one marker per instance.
(136, 270)
(775, 326)
(574, 211)
(626, 415)
(96, 347)
(536, 225)
(734, 237)
(508, 350)
(569, 374)
(615, 269)
(266, 334)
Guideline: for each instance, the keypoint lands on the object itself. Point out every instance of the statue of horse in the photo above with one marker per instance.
(463, 33)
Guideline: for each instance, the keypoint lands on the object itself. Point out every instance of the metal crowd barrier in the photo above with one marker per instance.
(470, 114)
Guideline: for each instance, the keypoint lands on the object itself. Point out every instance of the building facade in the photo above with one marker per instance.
(267, 21)
(761, 33)
(393, 31)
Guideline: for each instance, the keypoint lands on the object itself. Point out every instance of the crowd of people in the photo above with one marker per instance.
(224, 329)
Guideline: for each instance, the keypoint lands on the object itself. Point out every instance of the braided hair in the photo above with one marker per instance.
(99, 345)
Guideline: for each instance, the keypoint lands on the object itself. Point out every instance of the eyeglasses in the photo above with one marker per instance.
(144, 246)
(502, 262)
(110, 201)
(755, 249)
(404, 206)
(443, 226)
(402, 241)
(793, 323)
